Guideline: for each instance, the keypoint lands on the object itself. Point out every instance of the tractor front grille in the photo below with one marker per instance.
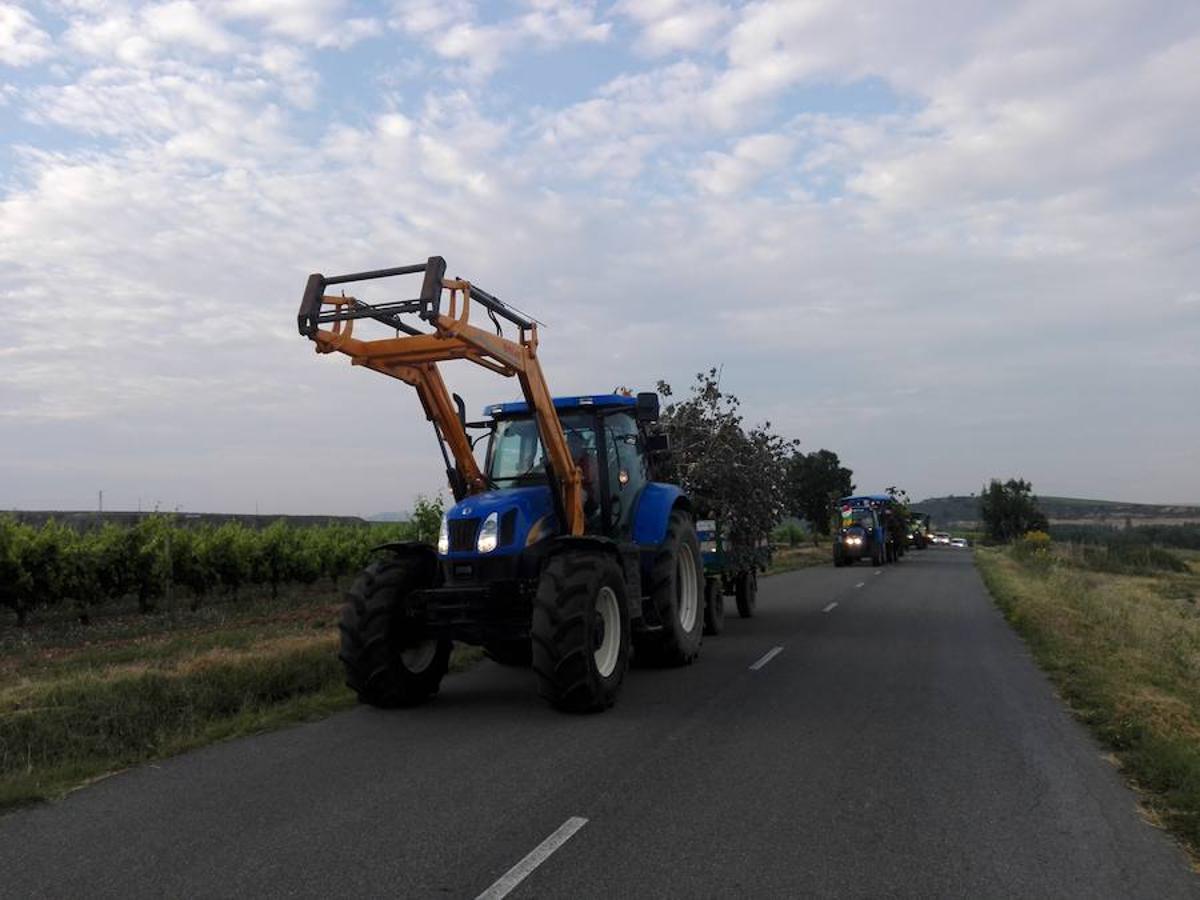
(462, 534)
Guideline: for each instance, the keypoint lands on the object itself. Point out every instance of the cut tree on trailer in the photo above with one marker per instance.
(736, 477)
(562, 551)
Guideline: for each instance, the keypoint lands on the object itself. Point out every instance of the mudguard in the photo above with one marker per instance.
(653, 509)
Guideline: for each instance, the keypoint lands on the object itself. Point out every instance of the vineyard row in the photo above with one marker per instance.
(57, 566)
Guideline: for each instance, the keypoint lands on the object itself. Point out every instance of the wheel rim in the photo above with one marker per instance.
(417, 658)
(608, 619)
(685, 578)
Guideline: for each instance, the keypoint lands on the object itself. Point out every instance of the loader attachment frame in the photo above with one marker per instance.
(412, 356)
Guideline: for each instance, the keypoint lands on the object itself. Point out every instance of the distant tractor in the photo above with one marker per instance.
(867, 527)
(918, 530)
(561, 551)
(858, 533)
(723, 577)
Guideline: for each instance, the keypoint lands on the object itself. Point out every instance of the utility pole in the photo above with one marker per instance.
(102, 501)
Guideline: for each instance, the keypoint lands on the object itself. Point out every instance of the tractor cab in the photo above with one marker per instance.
(608, 442)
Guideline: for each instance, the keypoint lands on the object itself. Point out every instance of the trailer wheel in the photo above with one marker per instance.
(510, 653)
(714, 606)
(390, 661)
(580, 631)
(677, 593)
(747, 593)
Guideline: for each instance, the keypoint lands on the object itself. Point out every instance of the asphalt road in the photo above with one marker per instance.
(901, 743)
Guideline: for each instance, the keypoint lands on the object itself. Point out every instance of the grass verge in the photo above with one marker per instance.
(789, 559)
(1124, 652)
(72, 710)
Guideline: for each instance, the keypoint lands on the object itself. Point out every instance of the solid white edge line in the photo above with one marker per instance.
(538, 855)
(830, 606)
(766, 658)
(860, 584)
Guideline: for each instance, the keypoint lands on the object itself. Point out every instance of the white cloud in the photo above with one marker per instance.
(751, 159)
(182, 22)
(668, 26)
(479, 50)
(22, 42)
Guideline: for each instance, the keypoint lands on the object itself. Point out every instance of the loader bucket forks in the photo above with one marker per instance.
(412, 356)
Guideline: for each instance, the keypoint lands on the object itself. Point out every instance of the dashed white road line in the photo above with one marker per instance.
(535, 858)
(860, 584)
(830, 607)
(879, 571)
(766, 658)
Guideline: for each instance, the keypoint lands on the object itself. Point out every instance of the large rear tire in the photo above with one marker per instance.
(580, 631)
(714, 606)
(390, 660)
(747, 593)
(677, 594)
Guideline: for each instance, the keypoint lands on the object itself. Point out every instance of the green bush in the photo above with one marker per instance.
(1033, 549)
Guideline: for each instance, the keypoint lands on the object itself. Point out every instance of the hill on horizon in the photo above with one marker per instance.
(964, 510)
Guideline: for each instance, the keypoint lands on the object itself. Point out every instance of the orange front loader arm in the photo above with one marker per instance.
(413, 357)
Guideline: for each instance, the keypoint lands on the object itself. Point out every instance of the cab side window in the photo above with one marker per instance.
(626, 470)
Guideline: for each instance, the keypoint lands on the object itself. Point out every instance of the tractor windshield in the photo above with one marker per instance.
(517, 454)
(859, 516)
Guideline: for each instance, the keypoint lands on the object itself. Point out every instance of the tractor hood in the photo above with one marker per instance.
(517, 511)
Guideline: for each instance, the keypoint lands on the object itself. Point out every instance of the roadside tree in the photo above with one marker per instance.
(814, 483)
(1009, 509)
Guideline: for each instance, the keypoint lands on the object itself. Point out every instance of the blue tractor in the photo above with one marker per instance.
(561, 550)
(867, 527)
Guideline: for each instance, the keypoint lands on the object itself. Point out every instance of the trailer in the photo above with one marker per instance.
(728, 574)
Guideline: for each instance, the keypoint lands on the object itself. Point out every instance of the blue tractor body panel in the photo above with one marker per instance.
(527, 505)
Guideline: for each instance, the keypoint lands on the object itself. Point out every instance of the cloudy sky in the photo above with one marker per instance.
(948, 240)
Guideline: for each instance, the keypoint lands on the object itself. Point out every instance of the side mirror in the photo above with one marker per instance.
(658, 443)
(647, 407)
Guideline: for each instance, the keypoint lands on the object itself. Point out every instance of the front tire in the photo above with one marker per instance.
(677, 594)
(747, 593)
(390, 660)
(580, 631)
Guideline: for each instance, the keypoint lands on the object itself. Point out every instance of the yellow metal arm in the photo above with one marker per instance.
(413, 359)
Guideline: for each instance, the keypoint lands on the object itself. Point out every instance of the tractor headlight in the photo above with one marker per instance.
(444, 538)
(489, 533)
